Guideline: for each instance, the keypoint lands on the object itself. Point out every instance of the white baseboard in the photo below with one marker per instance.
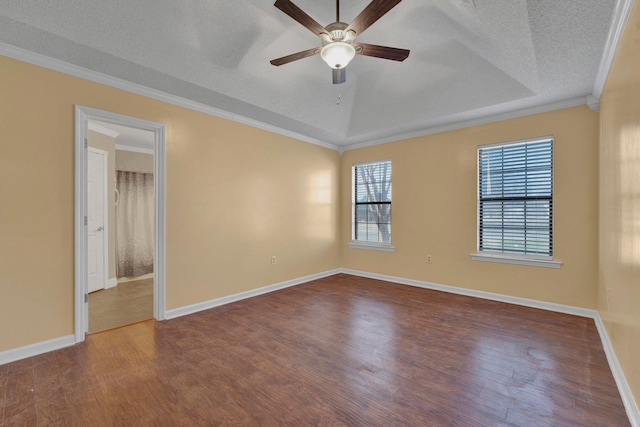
(625, 392)
(623, 387)
(19, 353)
(135, 278)
(111, 283)
(560, 308)
(194, 308)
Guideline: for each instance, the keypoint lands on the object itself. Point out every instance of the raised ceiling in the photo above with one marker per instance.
(470, 59)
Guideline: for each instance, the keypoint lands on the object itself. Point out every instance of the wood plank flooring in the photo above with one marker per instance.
(339, 351)
(124, 304)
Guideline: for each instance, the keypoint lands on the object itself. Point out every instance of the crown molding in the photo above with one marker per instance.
(133, 149)
(620, 17)
(593, 103)
(53, 64)
(568, 103)
(618, 21)
(103, 130)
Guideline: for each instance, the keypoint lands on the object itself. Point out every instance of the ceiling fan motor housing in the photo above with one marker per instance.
(336, 31)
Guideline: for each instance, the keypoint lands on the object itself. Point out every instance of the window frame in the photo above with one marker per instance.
(364, 244)
(536, 260)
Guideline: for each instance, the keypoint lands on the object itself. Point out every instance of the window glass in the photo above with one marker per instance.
(371, 200)
(515, 200)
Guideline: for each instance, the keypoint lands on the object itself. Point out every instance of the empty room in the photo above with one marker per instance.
(320, 212)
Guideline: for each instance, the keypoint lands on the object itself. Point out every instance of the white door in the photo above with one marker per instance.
(96, 218)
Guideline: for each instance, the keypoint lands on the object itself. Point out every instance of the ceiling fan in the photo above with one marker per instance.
(338, 39)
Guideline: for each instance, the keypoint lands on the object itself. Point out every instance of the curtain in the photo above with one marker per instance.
(134, 223)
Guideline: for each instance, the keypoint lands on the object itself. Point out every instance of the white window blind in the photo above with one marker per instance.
(515, 212)
(371, 199)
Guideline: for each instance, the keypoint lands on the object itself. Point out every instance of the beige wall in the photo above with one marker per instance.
(235, 196)
(135, 162)
(619, 284)
(434, 209)
(108, 144)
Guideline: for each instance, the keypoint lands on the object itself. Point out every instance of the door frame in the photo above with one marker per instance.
(105, 212)
(82, 116)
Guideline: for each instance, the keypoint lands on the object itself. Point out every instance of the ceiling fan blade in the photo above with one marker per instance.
(339, 75)
(384, 52)
(299, 15)
(374, 11)
(295, 56)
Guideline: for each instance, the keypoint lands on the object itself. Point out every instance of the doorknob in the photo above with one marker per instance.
(100, 228)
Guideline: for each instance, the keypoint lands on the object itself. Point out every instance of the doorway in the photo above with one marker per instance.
(120, 214)
(118, 294)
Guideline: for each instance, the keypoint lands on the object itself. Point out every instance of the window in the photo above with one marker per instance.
(515, 199)
(371, 204)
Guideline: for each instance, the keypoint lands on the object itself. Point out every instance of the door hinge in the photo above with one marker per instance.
(86, 143)
(86, 298)
(86, 221)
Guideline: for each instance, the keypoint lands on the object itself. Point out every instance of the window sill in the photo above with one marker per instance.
(514, 259)
(372, 246)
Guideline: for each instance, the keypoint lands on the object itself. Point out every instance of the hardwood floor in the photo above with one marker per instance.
(337, 351)
(124, 304)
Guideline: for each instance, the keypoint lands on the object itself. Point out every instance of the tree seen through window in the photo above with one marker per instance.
(372, 202)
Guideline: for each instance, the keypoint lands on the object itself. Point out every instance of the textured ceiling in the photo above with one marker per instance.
(469, 58)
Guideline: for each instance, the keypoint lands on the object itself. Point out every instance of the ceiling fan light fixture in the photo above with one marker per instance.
(338, 38)
(338, 54)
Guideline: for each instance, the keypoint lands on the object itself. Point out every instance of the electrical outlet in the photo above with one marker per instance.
(429, 259)
(274, 259)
